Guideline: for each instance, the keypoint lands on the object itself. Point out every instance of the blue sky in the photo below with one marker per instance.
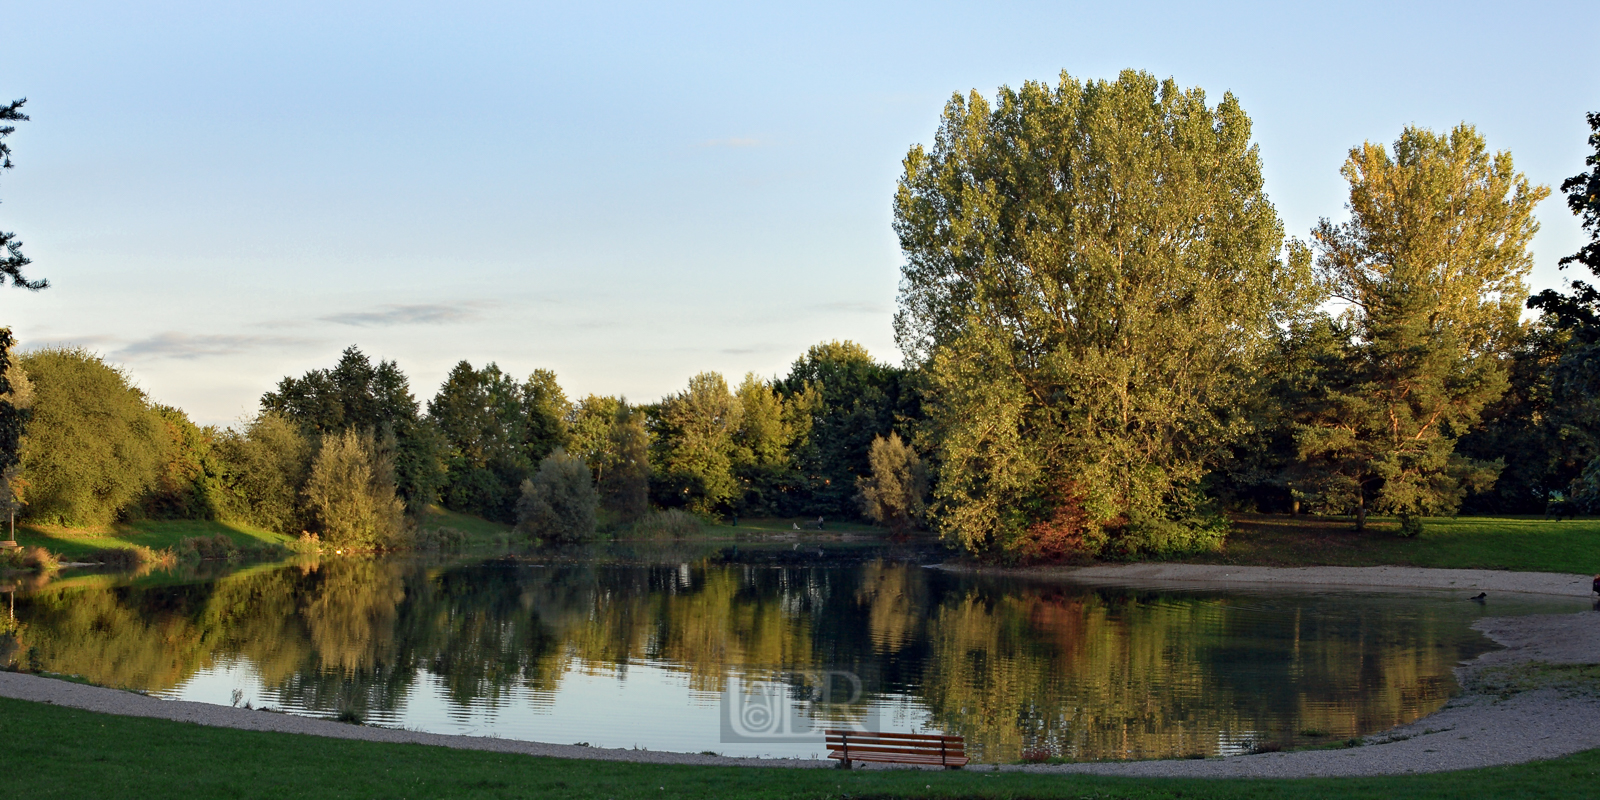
(224, 194)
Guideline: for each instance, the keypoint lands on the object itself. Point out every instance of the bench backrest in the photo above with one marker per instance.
(916, 745)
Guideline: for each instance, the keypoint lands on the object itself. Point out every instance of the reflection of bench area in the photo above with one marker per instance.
(930, 749)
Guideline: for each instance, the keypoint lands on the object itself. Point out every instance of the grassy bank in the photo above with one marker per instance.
(1530, 544)
(72, 543)
(479, 532)
(64, 753)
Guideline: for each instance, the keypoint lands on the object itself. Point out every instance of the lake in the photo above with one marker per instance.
(749, 651)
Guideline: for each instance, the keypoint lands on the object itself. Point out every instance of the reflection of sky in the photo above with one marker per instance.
(649, 706)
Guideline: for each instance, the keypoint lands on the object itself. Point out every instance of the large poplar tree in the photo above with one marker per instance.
(1092, 272)
(1430, 265)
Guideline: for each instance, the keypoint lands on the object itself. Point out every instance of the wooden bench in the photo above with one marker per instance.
(930, 749)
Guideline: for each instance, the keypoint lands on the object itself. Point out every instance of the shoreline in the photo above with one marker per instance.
(1470, 731)
(1222, 576)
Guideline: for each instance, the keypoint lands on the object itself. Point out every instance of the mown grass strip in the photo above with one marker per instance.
(52, 752)
(1528, 544)
(72, 543)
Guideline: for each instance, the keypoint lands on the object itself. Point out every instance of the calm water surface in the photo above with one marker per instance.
(706, 651)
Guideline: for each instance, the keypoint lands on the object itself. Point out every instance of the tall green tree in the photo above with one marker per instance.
(480, 414)
(94, 444)
(496, 430)
(1093, 274)
(1564, 407)
(350, 492)
(16, 397)
(1430, 266)
(771, 427)
(12, 261)
(267, 466)
(558, 503)
(692, 446)
(358, 395)
(191, 484)
(545, 407)
(609, 435)
(838, 400)
(895, 494)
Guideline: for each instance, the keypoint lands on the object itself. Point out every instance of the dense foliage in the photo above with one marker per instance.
(93, 446)
(351, 491)
(1431, 266)
(1109, 341)
(558, 503)
(1093, 277)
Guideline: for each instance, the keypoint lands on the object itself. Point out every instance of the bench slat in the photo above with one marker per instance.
(933, 737)
(953, 761)
(873, 748)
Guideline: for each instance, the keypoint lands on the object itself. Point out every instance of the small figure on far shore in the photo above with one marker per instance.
(819, 523)
(1597, 584)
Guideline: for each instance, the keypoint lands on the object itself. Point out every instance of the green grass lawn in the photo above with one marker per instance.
(53, 752)
(70, 543)
(807, 525)
(1516, 543)
(479, 531)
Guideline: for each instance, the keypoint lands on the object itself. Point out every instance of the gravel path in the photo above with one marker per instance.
(1471, 731)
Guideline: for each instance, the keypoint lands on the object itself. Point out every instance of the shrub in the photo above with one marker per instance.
(125, 558)
(418, 538)
(93, 445)
(266, 465)
(188, 485)
(893, 496)
(208, 548)
(1410, 525)
(1161, 538)
(558, 503)
(308, 544)
(351, 492)
(674, 522)
(1067, 535)
(38, 558)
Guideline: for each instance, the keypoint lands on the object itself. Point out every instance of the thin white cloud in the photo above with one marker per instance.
(182, 345)
(422, 314)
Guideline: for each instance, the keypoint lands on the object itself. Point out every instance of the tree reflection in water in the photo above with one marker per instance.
(1014, 666)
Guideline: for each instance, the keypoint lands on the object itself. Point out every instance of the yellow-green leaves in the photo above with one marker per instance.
(1091, 273)
(1431, 266)
(1440, 217)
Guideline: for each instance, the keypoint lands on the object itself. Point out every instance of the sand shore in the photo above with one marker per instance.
(1217, 576)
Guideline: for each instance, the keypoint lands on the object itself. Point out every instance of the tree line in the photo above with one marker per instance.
(1118, 341)
(349, 453)
(1109, 340)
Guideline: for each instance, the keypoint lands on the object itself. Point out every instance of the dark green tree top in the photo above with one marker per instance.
(12, 261)
(1579, 312)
